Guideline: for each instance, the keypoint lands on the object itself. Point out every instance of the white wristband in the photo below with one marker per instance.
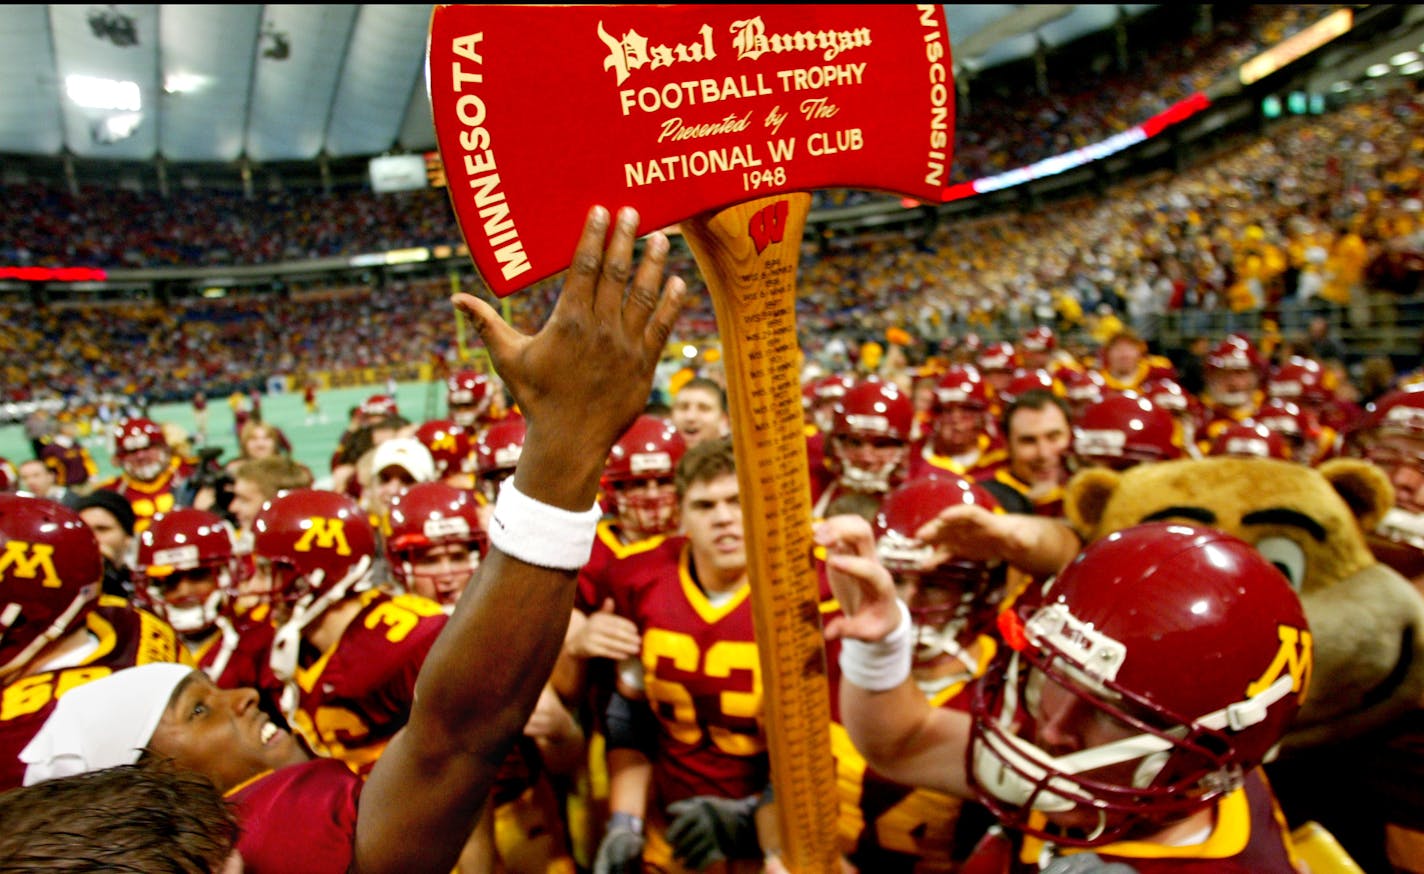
(883, 664)
(539, 534)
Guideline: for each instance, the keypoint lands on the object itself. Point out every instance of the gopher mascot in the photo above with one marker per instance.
(1354, 761)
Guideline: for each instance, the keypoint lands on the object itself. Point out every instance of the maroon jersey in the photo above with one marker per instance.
(1150, 367)
(122, 636)
(597, 578)
(890, 827)
(72, 464)
(987, 457)
(355, 696)
(298, 818)
(1248, 837)
(237, 656)
(149, 499)
(1216, 417)
(701, 675)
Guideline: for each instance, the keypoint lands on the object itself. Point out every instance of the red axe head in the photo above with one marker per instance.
(541, 112)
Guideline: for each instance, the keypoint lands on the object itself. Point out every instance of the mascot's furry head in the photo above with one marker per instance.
(1367, 620)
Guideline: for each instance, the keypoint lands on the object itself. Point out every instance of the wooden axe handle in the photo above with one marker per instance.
(748, 255)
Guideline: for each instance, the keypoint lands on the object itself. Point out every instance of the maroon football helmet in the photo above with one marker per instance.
(1029, 380)
(1038, 339)
(640, 473)
(450, 447)
(1081, 388)
(822, 395)
(1299, 429)
(497, 452)
(181, 543)
(961, 386)
(429, 515)
(314, 544)
(996, 357)
(378, 407)
(1391, 434)
(141, 449)
(1304, 381)
(468, 396)
(1124, 430)
(51, 572)
(870, 438)
(1250, 440)
(1138, 686)
(951, 601)
(1233, 371)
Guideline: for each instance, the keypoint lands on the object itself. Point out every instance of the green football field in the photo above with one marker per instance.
(312, 442)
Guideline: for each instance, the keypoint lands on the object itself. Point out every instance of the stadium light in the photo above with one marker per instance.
(93, 92)
(183, 83)
(1374, 71)
(1341, 86)
(1412, 69)
(1404, 58)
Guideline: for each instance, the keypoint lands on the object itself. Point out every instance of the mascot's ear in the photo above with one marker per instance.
(1364, 487)
(1086, 497)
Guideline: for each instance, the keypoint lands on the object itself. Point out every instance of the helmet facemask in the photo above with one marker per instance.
(145, 465)
(1151, 767)
(647, 506)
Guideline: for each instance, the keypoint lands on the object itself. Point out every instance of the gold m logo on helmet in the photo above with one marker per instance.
(1295, 655)
(30, 561)
(325, 533)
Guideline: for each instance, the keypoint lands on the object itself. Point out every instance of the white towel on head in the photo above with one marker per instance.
(103, 723)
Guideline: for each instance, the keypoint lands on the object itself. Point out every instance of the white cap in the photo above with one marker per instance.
(407, 453)
(102, 724)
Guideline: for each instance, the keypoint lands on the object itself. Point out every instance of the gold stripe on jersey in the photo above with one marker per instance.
(1229, 836)
(609, 536)
(698, 598)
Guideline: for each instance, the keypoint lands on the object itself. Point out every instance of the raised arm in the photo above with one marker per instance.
(579, 382)
(886, 715)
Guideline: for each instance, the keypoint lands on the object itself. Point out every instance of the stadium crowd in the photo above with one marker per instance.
(1270, 230)
(266, 625)
(1002, 129)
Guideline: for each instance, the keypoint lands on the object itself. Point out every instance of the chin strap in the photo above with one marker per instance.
(1015, 770)
(287, 641)
(11, 614)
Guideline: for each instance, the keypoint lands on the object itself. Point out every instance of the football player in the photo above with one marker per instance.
(868, 449)
(1392, 436)
(151, 474)
(452, 450)
(1125, 430)
(699, 411)
(1233, 386)
(1095, 730)
(679, 728)
(961, 438)
(433, 549)
(468, 397)
(582, 385)
(890, 826)
(347, 653)
(1037, 437)
(1125, 364)
(56, 630)
(186, 572)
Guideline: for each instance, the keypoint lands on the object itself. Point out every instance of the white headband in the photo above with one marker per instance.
(102, 724)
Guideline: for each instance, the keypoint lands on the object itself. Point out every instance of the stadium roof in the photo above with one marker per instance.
(292, 82)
